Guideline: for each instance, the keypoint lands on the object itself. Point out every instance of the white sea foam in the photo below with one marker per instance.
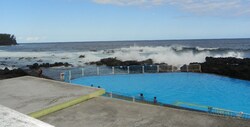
(178, 47)
(174, 55)
(9, 67)
(167, 55)
(230, 54)
(202, 49)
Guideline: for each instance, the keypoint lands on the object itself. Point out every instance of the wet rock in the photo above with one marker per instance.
(82, 56)
(21, 58)
(193, 67)
(29, 58)
(6, 73)
(232, 67)
(40, 60)
(163, 67)
(64, 58)
(116, 62)
(93, 50)
(47, 65)
(108, 52)
(34, 66)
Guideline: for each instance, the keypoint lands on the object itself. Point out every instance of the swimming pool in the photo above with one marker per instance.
(171, 88)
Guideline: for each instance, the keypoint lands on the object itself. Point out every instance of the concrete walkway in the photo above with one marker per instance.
(12, 118)
(108, 112)
(29, 94)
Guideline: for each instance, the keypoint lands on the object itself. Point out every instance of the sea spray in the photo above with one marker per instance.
(174, 54)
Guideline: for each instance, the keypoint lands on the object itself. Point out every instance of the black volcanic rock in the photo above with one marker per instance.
(46, 65)
(81, 56)
(116, 62)
(7, 39)
(6, 73)
(232, 67)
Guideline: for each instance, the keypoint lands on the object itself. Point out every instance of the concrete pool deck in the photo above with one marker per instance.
(109, 112)
(30, 94)
(12, 118)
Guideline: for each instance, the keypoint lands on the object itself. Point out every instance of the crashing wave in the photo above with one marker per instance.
(175, 55)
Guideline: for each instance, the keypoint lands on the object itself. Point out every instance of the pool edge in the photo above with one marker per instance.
(46, 111)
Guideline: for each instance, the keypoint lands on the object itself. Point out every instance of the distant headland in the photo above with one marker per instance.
(7, 39)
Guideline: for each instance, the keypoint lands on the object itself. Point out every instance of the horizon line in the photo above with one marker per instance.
(139, 40)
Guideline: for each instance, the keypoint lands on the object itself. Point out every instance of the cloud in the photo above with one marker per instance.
(231, 7)
(234, 7)
(130, 2)
(31, 38)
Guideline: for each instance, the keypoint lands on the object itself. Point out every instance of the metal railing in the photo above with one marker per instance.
(136, 69)
(180, 105)
(127, 97)
(214, 110)
(67, 76)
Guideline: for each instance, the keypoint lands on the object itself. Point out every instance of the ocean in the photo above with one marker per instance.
(173, 52)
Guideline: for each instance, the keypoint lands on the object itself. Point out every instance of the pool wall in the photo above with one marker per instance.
(123, 70)
(183, 106)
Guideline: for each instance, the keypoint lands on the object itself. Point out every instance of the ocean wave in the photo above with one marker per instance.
(174, 55)
(2, 67)
(201, 49)
(169, 55)
(180, 48)
(206, 49)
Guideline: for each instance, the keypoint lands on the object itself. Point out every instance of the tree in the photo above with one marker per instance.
(7, 39)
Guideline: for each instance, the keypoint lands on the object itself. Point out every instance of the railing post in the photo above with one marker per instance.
(158, 68)
(113, 70)
(69, 76)
(128, 70)
(241, 114)
(133, 99)
(172, 68)
(97, 71)
(82, 71)
(111, 95)
(142, 69)
(62, 76)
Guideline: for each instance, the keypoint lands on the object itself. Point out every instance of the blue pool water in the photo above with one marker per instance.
(169, 88)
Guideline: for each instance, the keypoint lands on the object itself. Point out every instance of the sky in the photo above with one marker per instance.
(110, 20)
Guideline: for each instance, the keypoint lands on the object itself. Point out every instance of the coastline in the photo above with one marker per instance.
(6, 73)
(172, 53)
(229, 67)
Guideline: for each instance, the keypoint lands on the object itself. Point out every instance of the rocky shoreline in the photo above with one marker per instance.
(116, 62)
(7, 73)
(231, 67)
(47, 65)
(33, 70)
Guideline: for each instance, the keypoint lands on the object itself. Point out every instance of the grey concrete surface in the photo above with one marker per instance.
(108, 112)
(12, 118)
(29, 94)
